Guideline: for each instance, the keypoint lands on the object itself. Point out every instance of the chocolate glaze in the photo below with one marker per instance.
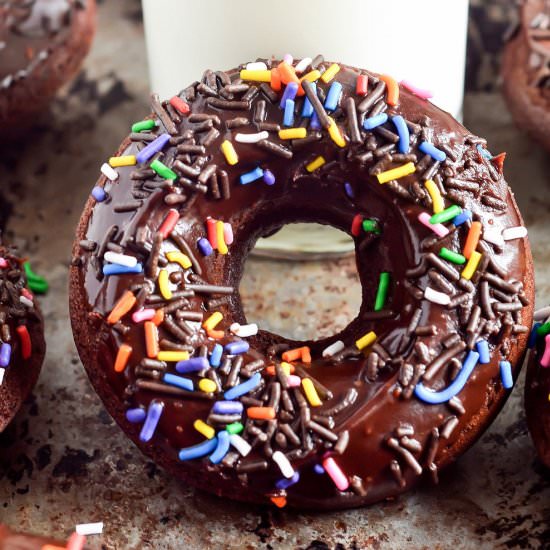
(257, 209)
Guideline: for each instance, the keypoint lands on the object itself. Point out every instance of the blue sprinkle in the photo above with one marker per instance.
(221, 448)
(227, 407)
(5, 355)
(216, 355)
(253, 175)
(307, 108)
(269, 177)
(315, 124)
(533, 336)
(178, 381)
(374, 121)
(117, 269)
(246, 387)
(151, 421)
(436, 397)
(194, 364)
(204, 246)
(237, 347)
(430, 149)
(506, 374)
(333, 96)
(288, 116)
(349, 190)
(318, 469)
(154, 147)
(463, 217)
(286, 483)
(136, 415)
(198, 451)
(403, 133)
(290, 93)
(484, 152)
(98, 193)
(483, 349)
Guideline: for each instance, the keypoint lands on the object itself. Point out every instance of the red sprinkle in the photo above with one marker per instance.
(356, 225)
(180, 105)
(25, 339)
(362, 84)
(498, 161)
(169, 223)
(27, 293)
(211, 232)
(3, 263)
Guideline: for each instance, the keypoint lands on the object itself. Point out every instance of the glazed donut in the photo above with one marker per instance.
(42, 44)
(441, 254)
(22, 345)
(537, 385)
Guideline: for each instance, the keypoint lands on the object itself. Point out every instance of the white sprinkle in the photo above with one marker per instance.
(240, 444)
(436, 297)
(109, 172)
(256, 66)
(90, 528)
(334, 348)
(25, 301)
(302, 65)
(251, 138)
(284, 465)
(244, 331)
(2, 372)
(542, 313)
(121, 259)
(493, 235)
(514, 233)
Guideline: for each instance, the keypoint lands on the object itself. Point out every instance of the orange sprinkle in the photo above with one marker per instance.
(122, 307)
(498, 161)
(261, 413)
(158, 317)
(288, 74)
(271, 370)
(151, 339)
(472, 239)
(215, 334)
(303, 354)
(124, 352)
(275, 80)
(392, 89)
(280, 502)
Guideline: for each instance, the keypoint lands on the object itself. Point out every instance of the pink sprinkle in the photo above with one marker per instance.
(293, 381)
(227, 233)
(545, 361)
(438, 228)
(424, 94)
(333, 470)
(76, 542)
(27, 293)
(143, 315)
(3, 263)
(287, 58)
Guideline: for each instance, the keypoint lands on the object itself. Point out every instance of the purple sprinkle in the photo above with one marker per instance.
(98, 193)
(269, 177)
(290, 93)
(204, 246)
(135, 415)
(318, 469)
(464, 216)
(349, 190)
(194, 364)
(154, 147)
(237, 347)
(151, 421)
(227, 407)
(314, 124)
(216, 355)
(5, 355)
(286, 483)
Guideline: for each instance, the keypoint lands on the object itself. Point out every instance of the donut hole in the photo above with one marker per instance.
(302, 300)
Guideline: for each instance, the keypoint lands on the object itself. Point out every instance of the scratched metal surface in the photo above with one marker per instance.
(65, 462)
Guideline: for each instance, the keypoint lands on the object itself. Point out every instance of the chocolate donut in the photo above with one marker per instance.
(42, 44)
(441, 253)
(526, 71)
(537, 385)
(22, 345)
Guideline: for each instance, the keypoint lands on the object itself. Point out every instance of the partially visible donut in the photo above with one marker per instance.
(441, 252)
(11, 540)
(42, 44)
(537, 385)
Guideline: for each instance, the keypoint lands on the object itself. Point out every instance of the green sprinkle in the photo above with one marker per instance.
(36, 283)
(451, 256)
(446, 215)
(382, 292)
(544, 329)
(143, 125)
(234, 428)
(162, 170)
(371, 226)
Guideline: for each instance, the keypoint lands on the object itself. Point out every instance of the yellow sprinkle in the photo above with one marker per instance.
(222, 247)
(330, 73)
(335, 134)
(293, 133)
(207, 386)
(164, 284)
(286, 367)
(435, 195)
(311, 393)
(471, 266)
(256, 76)
(396, 173)
(126, 160)
(203, 428)
(179, 258)
(173, 355)
(315, 164)
(212, 321)
(312, 76)
(366, 340)
(229, 152)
